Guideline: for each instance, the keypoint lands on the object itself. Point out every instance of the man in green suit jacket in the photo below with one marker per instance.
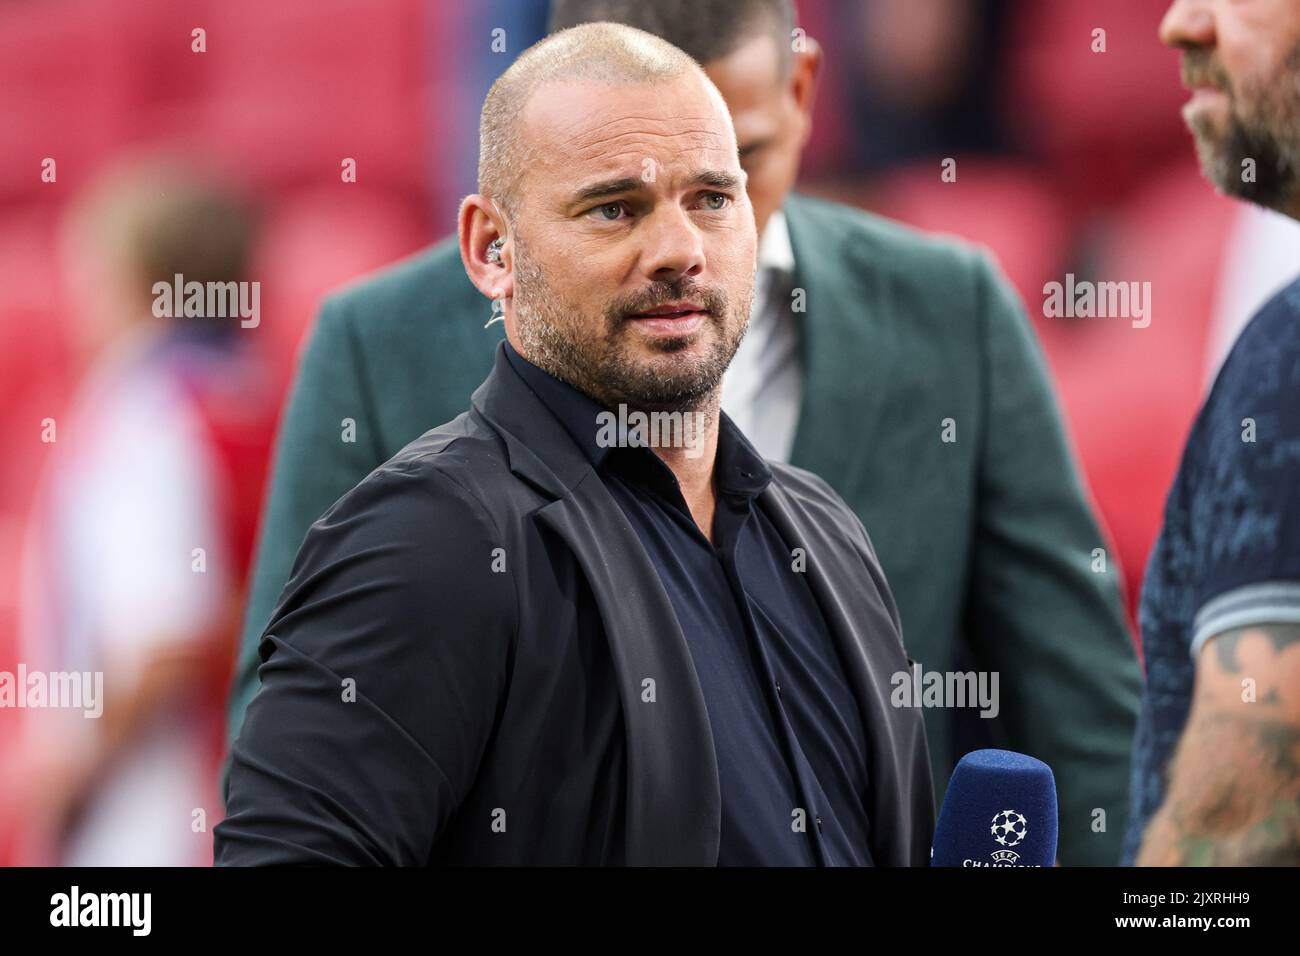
(899, 368)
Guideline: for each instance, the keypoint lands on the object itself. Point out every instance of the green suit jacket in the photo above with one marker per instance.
(926, 405)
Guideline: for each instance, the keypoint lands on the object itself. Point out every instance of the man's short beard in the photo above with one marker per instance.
(1269, 134)
(557, 339)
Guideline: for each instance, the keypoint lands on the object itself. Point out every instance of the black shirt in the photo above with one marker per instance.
(790, 744)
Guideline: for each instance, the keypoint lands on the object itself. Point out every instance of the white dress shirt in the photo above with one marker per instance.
(762, 389)
(1260, 258)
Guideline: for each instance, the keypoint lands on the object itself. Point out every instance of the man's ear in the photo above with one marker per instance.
(805, 70)
(485, 248)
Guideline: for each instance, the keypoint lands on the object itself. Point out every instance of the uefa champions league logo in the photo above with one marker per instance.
(1009, 828)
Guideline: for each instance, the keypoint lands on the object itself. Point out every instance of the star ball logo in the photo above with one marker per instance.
(1009, 829)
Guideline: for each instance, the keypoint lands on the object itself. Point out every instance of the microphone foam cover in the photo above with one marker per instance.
(1000, 810)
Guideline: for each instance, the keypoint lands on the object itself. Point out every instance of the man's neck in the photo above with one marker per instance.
(692, 463)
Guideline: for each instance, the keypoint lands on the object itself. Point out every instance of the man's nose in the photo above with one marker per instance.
(1188, 23)
(674, 247)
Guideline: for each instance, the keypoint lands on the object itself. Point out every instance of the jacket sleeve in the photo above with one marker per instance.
(313, 467)
(386, 665)
(1040, 615)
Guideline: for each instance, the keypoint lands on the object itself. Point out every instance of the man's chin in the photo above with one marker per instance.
(646, 342)
(1216, 163)
(659, 380)
(681, 365)
(1209, 131)
(643, 345)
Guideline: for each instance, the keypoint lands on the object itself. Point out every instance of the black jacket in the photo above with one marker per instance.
(474, 662)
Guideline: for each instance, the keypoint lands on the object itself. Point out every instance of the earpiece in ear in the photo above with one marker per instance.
(494, 250)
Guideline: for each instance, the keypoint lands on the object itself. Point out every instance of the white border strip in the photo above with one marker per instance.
(1269, 602)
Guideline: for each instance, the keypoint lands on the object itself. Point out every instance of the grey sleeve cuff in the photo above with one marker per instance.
(1268, 602)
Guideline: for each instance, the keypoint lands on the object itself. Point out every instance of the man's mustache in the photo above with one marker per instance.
(711, 300)
(1200, 67)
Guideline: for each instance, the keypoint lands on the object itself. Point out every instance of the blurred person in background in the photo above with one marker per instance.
(987, 538)
(927, 74)
(139, 542)
(1216, 772)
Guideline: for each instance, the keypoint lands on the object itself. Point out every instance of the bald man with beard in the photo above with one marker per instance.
(529, 638)
(899, 367)
(1216, 764)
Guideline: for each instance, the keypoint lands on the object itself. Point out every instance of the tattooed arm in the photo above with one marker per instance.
(1234, 785)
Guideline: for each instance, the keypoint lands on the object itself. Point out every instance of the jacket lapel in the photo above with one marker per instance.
(674, 807)
(899, 784)
(674, 811)
(843, 346)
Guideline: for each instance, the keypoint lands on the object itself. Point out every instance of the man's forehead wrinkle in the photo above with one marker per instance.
(574, 141)
(652, 120)
(638, 141)
(629, 160)
(648, 125)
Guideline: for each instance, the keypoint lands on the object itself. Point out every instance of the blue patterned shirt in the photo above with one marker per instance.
(1229, 552)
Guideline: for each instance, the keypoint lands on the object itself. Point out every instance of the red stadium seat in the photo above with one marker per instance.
(296, 88)
(1001, 204)
(1103, 121)
(318, 239)
(1131, 393)
(47, 51)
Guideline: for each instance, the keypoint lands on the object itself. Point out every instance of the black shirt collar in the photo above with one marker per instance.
(739, 468)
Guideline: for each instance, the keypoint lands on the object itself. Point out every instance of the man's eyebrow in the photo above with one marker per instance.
(605, 189)
(713, 178)
(718, 179)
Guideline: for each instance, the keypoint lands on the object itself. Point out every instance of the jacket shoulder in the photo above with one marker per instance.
(464, 452)
(407, 296)
(804, 484)
(812, 494)
(873, 244)
(410, 522)
(398, 280)
(413, 338)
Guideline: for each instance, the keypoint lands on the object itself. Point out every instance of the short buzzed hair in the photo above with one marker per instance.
(706, 30)
(602, 52)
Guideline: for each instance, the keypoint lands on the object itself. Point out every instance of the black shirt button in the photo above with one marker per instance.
(819, 823)
(778, 687)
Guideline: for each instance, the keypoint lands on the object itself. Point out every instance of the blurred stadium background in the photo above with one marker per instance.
(1069, 161)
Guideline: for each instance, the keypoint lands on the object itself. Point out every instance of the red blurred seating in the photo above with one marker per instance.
(1131, 394)
(1001, 204)
(315, 240)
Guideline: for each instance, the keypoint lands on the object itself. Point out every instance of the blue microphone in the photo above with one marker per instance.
(1000, 810)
